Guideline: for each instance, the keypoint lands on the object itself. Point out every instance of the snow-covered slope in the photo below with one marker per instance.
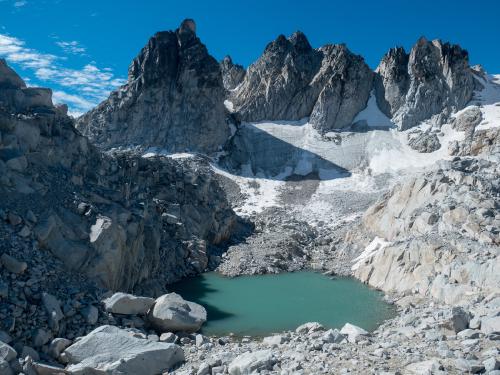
(347, 168)
(489, 101)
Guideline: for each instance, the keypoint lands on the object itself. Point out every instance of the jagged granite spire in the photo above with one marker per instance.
(291, 80)
(174, 98)
(232, 74)
(434, 79)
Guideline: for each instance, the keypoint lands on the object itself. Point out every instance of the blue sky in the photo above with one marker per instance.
(82, 48)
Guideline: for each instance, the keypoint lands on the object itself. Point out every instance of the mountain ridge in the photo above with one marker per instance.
(290, 81)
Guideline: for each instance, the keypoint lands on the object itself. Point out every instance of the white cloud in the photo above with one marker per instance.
(64, 97)
(72, 47)
(88, 86)
(77, 104)
(20, 3)
(14, 50)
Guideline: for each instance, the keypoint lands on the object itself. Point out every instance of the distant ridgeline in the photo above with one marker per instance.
(176, 92)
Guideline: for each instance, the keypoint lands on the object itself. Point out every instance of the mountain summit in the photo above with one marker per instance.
(175, 95)
(174, 98)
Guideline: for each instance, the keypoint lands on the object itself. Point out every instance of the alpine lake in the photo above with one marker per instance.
(264, 304)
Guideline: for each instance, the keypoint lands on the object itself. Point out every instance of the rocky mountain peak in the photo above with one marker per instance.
(291, 80)
(9, 78)
(155, 61)
(430, 82)
(186, 33)
(299, 41)
(282, 46)
(174, 98)
(232, 74)
(188, 26)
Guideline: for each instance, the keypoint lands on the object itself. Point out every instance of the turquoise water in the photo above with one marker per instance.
(264, 304)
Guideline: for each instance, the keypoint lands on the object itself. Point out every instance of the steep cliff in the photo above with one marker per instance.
(119, 218)
(174, 99)
(432, 81)
(292, 80)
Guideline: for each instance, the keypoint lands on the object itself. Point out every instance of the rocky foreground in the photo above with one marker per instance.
(90, 235)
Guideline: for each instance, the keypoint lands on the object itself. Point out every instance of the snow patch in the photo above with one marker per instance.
(101, 223)
(229, 105)
(373, 115)
(489, 101)
(373, 248)
(260, 193)
(154, 151)
(393, 159)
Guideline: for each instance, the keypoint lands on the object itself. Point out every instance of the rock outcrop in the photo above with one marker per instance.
(232, 74)
(291, 80)
(443, 234)
(425, 142)
(119, 218)
(174, 99)
(16, 97)
(477, 141)
(434, 80)
(251, 363)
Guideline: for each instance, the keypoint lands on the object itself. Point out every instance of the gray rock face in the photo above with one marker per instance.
(347, 82)
(15, 96)
(7, 353)
(468, 119)
(353, 333)
(232, 74)
(110, 350)
(432, 222)
(172, 313)
(291, 80)
(425, 142)
(135, 218)
(476, 142)
(392, 81)
(174, 99)
(9, 78)
(459, 319)
(490, 325)
(12, 264)
(53, 309)
(433, 80)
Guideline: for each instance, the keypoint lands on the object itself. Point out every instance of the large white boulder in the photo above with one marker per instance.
(252, 362)
(128, 304)
(490, 325)
(111, 350)
(353, 333)
(171, 313)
